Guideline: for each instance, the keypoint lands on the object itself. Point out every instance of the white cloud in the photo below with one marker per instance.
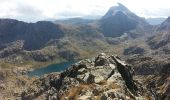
(34, 10)
(148, 8)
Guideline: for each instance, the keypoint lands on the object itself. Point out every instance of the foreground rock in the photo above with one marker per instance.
(105, 78)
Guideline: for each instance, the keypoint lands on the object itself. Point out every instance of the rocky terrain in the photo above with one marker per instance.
(151, 54)
(102, 78)
(159, 84)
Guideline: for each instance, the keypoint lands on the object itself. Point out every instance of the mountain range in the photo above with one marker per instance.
(119, 31)
(145, 47)
(68, 39)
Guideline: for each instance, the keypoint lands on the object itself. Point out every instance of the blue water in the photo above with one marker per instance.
(51, 68)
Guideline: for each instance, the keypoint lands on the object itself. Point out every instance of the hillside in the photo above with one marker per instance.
(34, 35)
(151, 54)
(162, 39)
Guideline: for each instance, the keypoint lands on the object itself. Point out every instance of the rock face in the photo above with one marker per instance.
(105, 78)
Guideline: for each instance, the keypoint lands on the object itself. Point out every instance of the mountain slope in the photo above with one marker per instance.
(34, 35)
(155, 51)
(162, 39)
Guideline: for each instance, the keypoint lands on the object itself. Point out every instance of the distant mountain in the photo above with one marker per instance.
(119, 20)
(113, 11)
(155, 21)
(74, 21)
(165, 25)
(34, 35)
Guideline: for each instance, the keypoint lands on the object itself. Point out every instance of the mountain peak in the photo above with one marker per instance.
(119, 20)
(114, 9)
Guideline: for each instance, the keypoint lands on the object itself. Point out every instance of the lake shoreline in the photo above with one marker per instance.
(57, 67)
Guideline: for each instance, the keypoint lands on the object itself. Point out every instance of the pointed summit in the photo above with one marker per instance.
(119, 20)
(119, 8)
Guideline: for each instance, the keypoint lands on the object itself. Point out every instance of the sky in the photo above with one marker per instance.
(35, 10)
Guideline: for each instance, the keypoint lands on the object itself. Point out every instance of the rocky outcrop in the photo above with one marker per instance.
(105, 77)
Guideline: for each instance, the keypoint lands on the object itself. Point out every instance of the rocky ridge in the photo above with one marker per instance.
(105, 77)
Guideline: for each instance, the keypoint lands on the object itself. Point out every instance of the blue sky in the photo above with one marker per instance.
(35, 10)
